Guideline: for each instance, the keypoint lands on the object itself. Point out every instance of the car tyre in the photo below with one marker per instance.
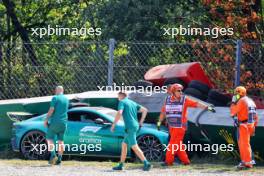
(215, 103)
(218, 97)
(151, 147)
(195, 93)
(30, 140)
(199, 86)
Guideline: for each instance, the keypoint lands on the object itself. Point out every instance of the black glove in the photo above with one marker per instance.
(211, 109)
(158, 125)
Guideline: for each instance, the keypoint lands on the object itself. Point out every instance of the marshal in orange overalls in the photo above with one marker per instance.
(176, 114)
(245, 110)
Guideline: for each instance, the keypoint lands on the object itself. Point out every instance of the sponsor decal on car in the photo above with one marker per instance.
(93, 129)
(90, 140)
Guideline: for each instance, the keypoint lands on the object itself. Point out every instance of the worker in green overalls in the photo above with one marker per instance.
(56, 121)
(128, 109)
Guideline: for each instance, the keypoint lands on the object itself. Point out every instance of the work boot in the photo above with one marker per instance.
(118, 167)
(253, 162)
(53, 159)
(249, 166)
(242, 166)
(147, 166)
(186, 164)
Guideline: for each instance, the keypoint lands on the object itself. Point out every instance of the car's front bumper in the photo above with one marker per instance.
(15, 140)
(15, 146)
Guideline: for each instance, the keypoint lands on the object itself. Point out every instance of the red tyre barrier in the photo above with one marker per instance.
(186, 72)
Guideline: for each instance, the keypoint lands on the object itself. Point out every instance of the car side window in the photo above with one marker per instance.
(90, 117)
(86, 117)
(74, 116)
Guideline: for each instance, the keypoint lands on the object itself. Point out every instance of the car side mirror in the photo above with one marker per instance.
(99, 121)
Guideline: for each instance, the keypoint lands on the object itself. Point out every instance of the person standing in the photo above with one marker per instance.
(128, 109)
(243, 110)
(175, 110)
(56, 121)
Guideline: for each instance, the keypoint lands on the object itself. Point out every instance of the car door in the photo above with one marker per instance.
(71, 139)
(92, 138)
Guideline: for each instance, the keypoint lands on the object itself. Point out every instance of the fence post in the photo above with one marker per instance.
(111, 62)
(238, 61)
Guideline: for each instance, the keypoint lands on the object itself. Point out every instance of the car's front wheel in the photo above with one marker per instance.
(151, 147)
(34, 146)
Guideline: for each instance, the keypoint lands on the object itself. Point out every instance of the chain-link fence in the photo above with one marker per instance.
(132, 60)
(252, 68)
(34, 69)
(77, 66)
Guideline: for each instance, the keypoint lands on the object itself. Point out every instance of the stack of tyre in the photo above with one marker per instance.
(203, 92)
(143, 83)
(196, 89)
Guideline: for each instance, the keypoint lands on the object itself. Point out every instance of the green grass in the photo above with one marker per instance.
(205, 167)
(208, 163)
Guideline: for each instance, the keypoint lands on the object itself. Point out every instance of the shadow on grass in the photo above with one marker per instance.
(219, 171)
(7, 154)
(44, 166)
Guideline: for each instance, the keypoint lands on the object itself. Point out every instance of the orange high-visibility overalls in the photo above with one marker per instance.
(245, 110)
(176, 114)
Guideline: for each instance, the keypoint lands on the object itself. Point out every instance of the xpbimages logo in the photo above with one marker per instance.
(147, 90)
(191, 147)
(80, 148)
(62, 31)
(193, 31)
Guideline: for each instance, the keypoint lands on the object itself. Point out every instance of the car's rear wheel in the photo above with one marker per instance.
(34, 146)
(151, 147)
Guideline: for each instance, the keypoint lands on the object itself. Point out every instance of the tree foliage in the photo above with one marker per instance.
(126, 21)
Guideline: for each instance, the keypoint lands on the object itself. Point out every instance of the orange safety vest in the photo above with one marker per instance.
(174, 112)
(245, 110)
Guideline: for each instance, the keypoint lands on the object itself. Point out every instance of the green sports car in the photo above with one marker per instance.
(88, 133)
